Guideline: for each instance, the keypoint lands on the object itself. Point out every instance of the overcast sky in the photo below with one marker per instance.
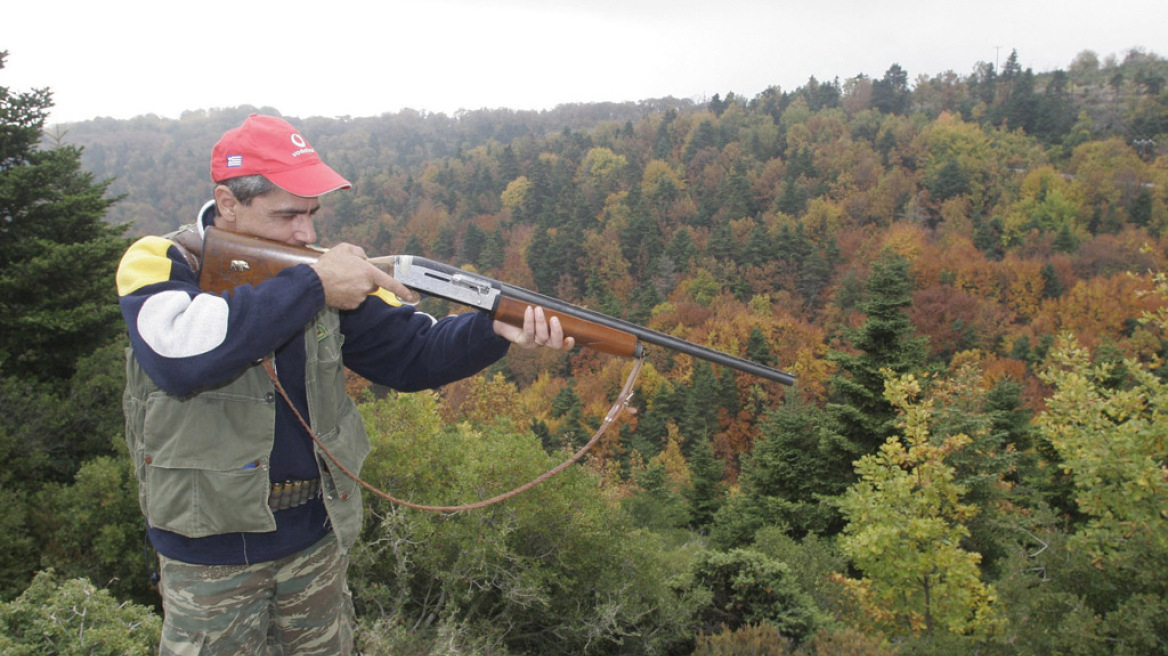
(123, 58)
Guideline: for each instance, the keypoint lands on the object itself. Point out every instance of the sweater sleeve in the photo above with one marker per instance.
(186, 339)
(407, 350)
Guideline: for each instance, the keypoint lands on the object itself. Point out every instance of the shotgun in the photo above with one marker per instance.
(230, 259)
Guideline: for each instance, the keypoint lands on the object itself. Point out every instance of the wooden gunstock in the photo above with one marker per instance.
(230, 259)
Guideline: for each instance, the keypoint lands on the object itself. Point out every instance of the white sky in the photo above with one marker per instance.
(123, 58)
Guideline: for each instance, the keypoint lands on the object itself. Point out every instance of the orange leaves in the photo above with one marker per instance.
(1097, 309)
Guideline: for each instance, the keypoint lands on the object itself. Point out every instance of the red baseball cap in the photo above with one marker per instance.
(269, 146)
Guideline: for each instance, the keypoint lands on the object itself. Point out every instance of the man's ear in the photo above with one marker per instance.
(227, 204)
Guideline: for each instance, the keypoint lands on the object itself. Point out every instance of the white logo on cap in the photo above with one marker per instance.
(302, 146)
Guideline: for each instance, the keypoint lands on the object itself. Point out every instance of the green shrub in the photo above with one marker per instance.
(75, 618)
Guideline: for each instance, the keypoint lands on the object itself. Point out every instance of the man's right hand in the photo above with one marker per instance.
(348, 278)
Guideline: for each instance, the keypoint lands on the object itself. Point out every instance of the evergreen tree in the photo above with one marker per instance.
(1052, 287)
(886, 340)
(1140, 207)
(736, 200)
(759, 248)
(508, 165)
(566, 406)
(57, 257)
(817, 271)
(493, 251)
(891, 94)
(704, 136)
(757, 348)
(472, 244)
(58, 309)
(682, 250)
(641, 242)
(793, 200)
(786, 479)
(700, 420)
(707, 485)
(950, 181)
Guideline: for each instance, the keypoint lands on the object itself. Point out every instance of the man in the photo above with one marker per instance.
(252, 524)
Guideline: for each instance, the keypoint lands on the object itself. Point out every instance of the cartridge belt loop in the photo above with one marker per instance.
(292, 494)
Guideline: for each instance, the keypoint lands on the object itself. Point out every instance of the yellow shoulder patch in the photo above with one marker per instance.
(144, 263)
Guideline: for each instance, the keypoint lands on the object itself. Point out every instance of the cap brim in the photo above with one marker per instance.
(309, 181)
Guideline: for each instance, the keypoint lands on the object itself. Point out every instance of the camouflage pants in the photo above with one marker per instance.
(295, 606)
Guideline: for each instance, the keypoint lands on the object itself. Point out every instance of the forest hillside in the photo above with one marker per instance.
(965, 272)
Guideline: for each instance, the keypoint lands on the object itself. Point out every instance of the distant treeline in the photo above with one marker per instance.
(161, 164)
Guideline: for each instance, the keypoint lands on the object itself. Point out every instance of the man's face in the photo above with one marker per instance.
(277, 215)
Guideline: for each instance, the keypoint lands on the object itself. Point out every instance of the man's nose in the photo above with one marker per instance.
(304, 230)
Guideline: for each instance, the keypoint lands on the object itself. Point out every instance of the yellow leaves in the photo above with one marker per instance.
(427, 222)
(1113, 442)
(659, 178)
(516, 193)
(1095, 308)
(482, 400)
(1025, 286)
(672, 459)
(602, 166)
(906, 240)
(905, 527)
(1048, 201)
(823, 218)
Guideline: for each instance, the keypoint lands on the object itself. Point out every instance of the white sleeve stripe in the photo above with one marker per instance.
(174, 325)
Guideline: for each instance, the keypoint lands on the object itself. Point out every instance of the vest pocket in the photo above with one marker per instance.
(200, 502)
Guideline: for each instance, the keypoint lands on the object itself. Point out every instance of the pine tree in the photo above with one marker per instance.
(57, 257)
(886, 340)
(700, 418)
(707, 486)
(786, 478)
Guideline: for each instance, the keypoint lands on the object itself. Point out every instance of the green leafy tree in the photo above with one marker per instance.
(747, 587)
(1114, 443)
(57, 257)
(558, 569)
(906, 523)
(93, 528)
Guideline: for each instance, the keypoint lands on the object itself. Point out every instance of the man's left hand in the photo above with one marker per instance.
(537, 330)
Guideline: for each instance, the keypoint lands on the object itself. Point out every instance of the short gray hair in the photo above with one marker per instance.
(247, 187)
